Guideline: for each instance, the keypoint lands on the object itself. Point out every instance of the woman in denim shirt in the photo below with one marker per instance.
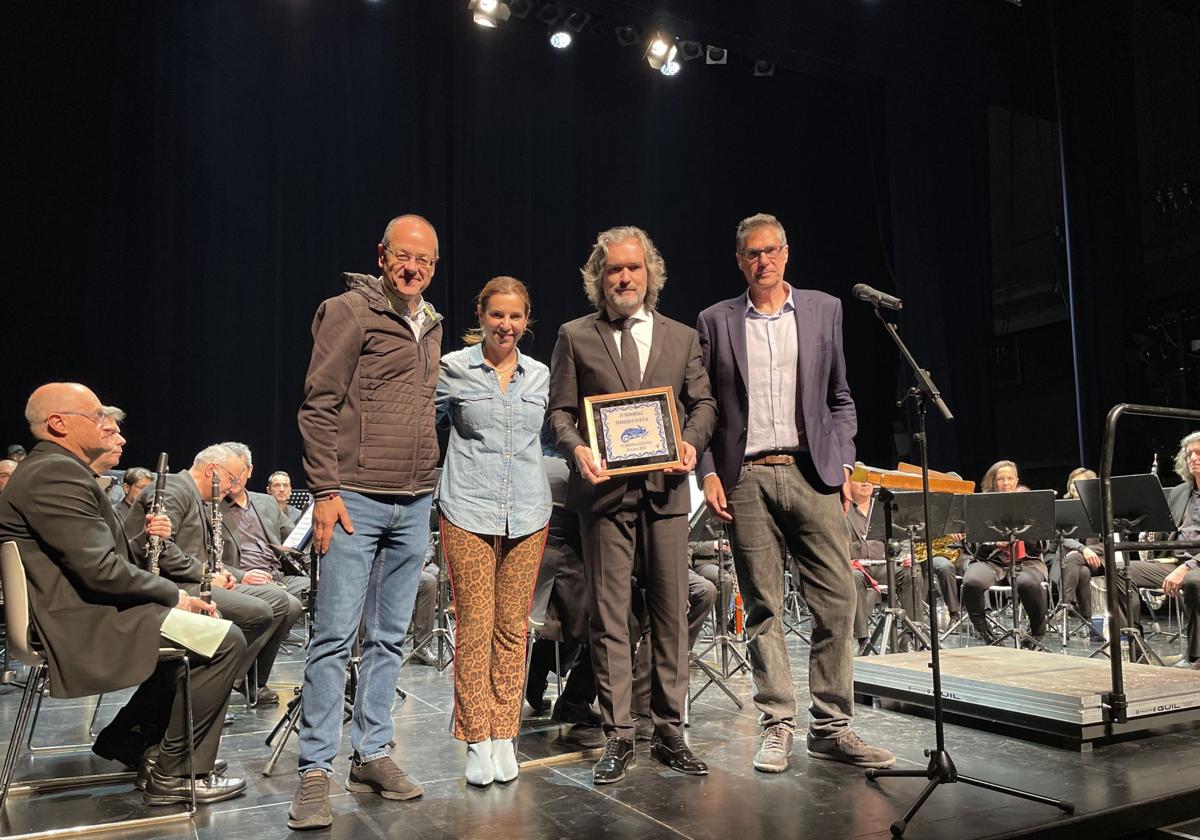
(494, 501)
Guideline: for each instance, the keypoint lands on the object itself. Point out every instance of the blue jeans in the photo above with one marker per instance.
(372, 576)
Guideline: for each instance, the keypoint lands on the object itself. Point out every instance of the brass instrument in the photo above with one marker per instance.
(942, 547)
(908, 477)
(154, 545)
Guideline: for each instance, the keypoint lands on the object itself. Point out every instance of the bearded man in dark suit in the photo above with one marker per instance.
(628, 345)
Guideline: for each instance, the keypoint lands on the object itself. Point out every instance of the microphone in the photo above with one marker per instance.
(875, 297)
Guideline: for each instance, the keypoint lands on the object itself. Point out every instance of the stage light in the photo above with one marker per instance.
(671, 68)
(489, 13)
(627, 36)
(661, 50)
(550, 13)
(560, 39)
(764, 68)
(690, 50)
(520, 8)
(715, 55)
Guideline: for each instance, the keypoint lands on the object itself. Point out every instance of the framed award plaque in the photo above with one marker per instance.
(634, 431)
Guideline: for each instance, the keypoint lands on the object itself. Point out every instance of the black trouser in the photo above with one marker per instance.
(155, 714)
(982, 574)
(1150, 575)
(702, 594)
(420, 629)
(285, 612)
(1075, 586)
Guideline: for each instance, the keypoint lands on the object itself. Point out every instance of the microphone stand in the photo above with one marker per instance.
(941, 769)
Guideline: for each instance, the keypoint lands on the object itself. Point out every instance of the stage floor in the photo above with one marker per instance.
(1120, 790)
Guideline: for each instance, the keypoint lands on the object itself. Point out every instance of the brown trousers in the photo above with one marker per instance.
(493, 581)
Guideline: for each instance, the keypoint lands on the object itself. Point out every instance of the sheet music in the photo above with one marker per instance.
(196, 632)
(301, 534)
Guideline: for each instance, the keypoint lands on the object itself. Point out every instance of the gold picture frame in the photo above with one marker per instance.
(634, 431)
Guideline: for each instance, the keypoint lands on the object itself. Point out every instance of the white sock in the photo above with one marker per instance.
(504, 760)
(479, 764)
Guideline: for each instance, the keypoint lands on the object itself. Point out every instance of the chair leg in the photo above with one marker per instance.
(33, 686)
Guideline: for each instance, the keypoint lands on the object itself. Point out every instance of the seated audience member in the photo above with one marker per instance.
(133, 482)
(98, 616)
(1078, 560)
(255, 529)
(990, 566)
(279, 485)
(1180, 575)
(863, 550)
(256, 609)
(7, 467)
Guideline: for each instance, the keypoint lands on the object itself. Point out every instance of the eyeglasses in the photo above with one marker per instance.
(423, 261)
(235, 481)
(770, 252)
(106, 423)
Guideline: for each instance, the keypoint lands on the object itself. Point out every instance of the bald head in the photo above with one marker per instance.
(410, 224)
(70, 415)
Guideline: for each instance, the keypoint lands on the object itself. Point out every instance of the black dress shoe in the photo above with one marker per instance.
(149, 762)
(167, 790)
(618, 757)
(674, 752)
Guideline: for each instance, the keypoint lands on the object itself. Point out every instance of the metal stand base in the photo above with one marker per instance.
(941, 771)
(894, 618)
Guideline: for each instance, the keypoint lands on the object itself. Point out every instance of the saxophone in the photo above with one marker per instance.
(217, 550)
(154, 545)
(942, 547)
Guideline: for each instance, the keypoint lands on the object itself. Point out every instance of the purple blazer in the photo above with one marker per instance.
(822, 395)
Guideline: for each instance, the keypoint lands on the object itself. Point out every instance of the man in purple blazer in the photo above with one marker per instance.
(775, 471)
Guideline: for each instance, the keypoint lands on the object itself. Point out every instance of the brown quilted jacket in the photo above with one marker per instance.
(368, 414)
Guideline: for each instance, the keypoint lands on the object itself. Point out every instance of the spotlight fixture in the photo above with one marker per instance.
(489, 13)
(550, 13)
(560, 39)
(627, 36)
(690, 50)
(661, 50)
(671, 68)
(520, 8)
(764, 68)
(577, 21)
(715, 55)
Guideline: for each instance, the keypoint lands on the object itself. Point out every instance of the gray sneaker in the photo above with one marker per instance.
(382, 776)
(310, 805)
(772, 756)
(849, 748)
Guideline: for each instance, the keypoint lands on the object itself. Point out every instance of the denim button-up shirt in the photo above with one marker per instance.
(492, 481)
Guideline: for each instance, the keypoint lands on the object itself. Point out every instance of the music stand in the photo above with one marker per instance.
(1138, 504)
(956, 523)
(441, 622)
(905, 511)
(1012, 517)
(1070, 521)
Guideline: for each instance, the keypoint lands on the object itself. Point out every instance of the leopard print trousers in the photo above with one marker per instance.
(493, 580)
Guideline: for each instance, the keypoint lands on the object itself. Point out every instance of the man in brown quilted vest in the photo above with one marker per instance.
(370, 452)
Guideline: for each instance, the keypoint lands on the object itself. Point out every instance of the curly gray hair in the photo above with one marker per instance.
(1181, 467)
(593, 269)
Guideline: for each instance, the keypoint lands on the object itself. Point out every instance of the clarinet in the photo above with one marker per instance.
(154, 546)
(218, 544)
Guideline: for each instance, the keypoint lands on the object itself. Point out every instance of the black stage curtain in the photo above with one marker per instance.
(188, 180)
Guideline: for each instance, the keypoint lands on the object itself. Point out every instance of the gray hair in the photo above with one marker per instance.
(1181, 467)
(752, 223)
(593, 269)
(387, 231)
(988, 484)
(135, 474)
(278, 474)
(217, 453)
(115, 414)
(241, 450)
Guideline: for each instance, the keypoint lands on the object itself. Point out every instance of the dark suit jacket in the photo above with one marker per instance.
(586, 362)
(184, 555)
(97, 614)
(275, 525)
(822, 394)
(1177, 499)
